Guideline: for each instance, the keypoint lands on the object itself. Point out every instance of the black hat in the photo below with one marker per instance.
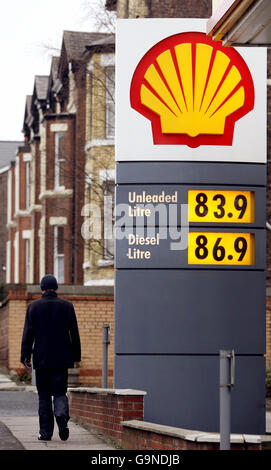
(48, 282)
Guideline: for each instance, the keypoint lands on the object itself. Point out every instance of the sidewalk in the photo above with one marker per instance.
(21, 432)
(26, 429)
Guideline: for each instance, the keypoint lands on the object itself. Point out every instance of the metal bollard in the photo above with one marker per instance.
(227, 366)
(106, 342)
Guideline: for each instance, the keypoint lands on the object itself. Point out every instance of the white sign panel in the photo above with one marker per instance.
(182, 97)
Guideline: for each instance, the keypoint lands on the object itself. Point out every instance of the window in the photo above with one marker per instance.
(27, 185)
(27, 260)
(59, 160)
(110, 102)
(59, 253)
(109, 242)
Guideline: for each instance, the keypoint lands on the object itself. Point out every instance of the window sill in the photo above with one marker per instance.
(105, 262)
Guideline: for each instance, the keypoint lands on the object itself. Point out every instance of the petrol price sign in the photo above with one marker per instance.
(221, 248)
(221, 206)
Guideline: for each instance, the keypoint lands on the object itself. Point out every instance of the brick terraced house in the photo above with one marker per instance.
(67, 153)
(47, 181)
(8, 150)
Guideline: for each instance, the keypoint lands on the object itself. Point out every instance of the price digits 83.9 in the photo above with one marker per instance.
(221, 248)
(221, 206)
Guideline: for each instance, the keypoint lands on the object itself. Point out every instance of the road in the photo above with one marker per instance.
(18, 404)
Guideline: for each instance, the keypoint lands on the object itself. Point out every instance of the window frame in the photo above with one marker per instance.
(27, 260)
(109, 243)
(109, 102)
(60, 276)
(58, 159)
(27, 185)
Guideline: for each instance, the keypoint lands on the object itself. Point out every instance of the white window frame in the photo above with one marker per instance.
(8, 260)
(17, 184)
(27, 185)
(58, 135)
(109, 243)
(16, 257)
(109, 102)
(27, 260)
(9, 198)
(58, 257)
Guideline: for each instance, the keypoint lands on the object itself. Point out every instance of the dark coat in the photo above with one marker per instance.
(51, 325)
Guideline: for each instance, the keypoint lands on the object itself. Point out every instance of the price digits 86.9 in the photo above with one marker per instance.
(221, 206)
(221, 248)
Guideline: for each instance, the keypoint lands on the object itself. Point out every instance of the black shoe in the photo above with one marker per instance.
(62, 427)
(42, 438)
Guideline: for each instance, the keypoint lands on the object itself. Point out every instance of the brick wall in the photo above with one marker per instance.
(3, 222)
(79, 180)
(106, 409)
(177, 9)
(165, 9)
(4, 335)
(92, 312)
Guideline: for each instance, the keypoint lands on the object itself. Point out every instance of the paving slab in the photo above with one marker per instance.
(26, 428)
(7, 440)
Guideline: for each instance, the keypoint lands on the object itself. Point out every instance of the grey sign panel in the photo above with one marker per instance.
(191, 173)
(156, 248)
(189, 312)
(175, 309)
(158, 204)
(183, 391)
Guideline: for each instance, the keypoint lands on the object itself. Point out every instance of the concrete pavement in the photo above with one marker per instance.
(26, 429)
(19, 424)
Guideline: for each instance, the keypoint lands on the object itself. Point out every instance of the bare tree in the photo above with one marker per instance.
(96, 13)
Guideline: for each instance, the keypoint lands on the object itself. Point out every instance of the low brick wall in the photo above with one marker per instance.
(119, 414)
(137, 435)
(105, 409)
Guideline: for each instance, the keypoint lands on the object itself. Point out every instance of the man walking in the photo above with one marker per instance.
(51, 325)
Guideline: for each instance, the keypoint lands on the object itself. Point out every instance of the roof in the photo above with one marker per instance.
(8, 150)
(75, 42)
(28, 117)
(41, 86)
(54, 67)
(28, 104)
(108, 40)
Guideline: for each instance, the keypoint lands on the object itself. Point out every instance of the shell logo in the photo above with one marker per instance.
(193, 90)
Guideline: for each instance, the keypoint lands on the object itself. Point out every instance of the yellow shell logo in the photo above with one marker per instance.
(193, 90)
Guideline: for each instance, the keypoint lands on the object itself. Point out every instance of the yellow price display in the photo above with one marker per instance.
(221, 248)
(221, 206)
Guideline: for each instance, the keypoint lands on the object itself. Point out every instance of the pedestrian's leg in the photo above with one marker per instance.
(61, 404)
(46, 416)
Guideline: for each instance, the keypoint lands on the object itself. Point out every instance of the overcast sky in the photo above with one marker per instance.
(26, 28)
